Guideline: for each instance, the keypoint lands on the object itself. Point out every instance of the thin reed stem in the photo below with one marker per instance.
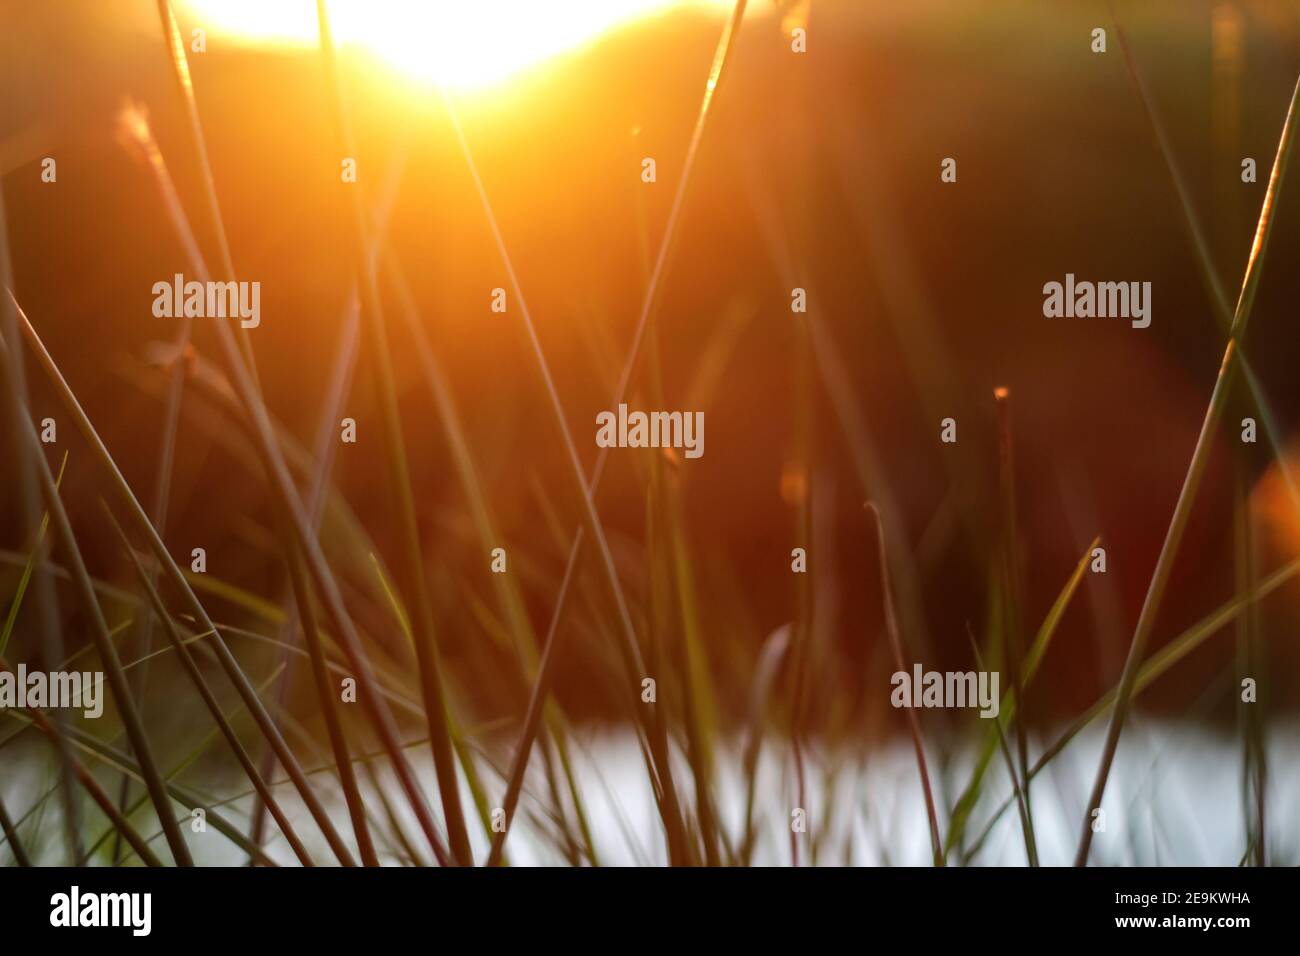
(913, 722)
(416, 589)
(1195, 472)
(541, 687)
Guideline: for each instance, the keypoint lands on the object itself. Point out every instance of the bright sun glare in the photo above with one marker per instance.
(455, 44)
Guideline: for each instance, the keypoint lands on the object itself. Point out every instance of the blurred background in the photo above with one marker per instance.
(818, 170)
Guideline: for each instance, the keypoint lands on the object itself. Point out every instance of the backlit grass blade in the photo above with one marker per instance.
(416, 589)
(1209, 274)
(1195, 472)
(1026, 822)
(1158, 664)
(340, 384)
(541, 688)
(244, 384)
(239, 359)
(328, 700)
(505, 586)
(1254, 756)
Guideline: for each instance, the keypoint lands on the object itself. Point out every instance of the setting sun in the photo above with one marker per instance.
(449, 43)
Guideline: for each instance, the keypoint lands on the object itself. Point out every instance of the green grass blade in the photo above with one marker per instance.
(29, 566)
(1158, 664)
(1006, 709)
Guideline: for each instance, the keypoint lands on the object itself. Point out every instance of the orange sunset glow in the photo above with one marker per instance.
(657, 434)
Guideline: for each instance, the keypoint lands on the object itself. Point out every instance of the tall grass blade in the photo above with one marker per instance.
(541, 689)
(27, 485)
(1013, 589)
(1195, 471)
(914, 724)
(505, 586)
(138, 517)
(340, 382)
(328, 699)
(1205, 266)
(243, 383)
(416, 589)
(107, 652)
(99, 630)
(629, 646)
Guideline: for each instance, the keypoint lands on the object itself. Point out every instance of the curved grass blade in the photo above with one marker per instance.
(1157, 665)
(1007, 706)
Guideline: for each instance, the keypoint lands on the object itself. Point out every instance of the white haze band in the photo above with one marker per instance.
(683, 430)
(946, 689)
(213, 300)
(59, 689)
